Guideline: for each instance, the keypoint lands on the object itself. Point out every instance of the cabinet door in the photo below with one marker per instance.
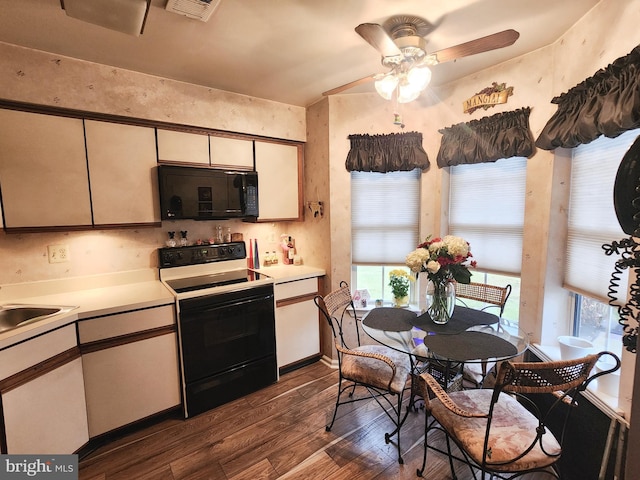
(131, 381)
(279, 168)
(124, 183)
(297, 321)
(297, 332)
(233, 152)
(43, 170)
(48, 414)
(183, 147)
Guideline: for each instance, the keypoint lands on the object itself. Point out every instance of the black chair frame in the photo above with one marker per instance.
(388, 400)
(521, 381)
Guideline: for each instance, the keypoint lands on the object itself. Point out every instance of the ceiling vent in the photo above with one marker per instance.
(198, 9)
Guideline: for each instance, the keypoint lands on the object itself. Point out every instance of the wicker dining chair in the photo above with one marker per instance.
(492, 298)
(490, 295)
(501, 431)
(381, 371)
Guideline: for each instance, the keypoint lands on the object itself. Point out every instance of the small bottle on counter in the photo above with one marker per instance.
(227, 235)
(171, 241)
(274, 258)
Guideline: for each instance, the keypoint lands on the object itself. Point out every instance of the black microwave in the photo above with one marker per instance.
(206, 193)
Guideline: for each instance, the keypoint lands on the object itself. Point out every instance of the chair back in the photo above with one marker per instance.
(337, 307)
(494, 295)
(564, 380)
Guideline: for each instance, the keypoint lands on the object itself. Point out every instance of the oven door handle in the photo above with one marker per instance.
(197, 305)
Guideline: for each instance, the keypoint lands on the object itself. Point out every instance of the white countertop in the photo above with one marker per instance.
(107, 294)
(290, 273)
(93, 296)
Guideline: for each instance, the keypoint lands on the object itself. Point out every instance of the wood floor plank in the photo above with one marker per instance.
(262, 470)
(277, 433)
(316, 467)
(197, 465)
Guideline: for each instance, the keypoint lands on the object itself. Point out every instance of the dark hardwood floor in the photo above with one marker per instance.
(275, 433)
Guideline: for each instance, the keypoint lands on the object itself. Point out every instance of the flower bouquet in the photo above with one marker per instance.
(444, 260)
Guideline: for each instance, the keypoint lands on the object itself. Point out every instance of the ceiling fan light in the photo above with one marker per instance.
(419, 77)
(386, 85)
(407, 92)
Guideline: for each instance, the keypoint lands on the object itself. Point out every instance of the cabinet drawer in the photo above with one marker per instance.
(125, 323)
(24, 355)
(296, 288)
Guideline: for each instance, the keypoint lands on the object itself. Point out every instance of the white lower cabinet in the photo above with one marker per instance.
(130, 363)
(43, 397)
(297, 323)
(129, 382)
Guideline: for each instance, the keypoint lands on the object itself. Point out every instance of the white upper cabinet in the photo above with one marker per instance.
(233, 152)
(124, 184)
(279, 168)
(183, 147)
(43, 170)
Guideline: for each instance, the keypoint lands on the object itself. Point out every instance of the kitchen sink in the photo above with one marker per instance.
(14, 316)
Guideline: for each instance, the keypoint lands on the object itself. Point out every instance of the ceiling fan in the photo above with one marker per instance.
(402, 45)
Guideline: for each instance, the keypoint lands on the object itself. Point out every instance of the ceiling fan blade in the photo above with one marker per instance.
(479, 45)
(349, 85)
(377, 37)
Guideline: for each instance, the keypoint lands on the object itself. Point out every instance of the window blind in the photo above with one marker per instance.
(592, 218)
(486, 208)
(384, 216)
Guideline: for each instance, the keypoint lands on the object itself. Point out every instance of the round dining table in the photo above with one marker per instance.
(470, 336)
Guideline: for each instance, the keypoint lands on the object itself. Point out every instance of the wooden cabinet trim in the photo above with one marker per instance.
(142, 122)
(97, 345)
(38, 370)
(298, 299)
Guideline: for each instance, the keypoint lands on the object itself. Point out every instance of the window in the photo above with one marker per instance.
(486, 208)
(385, 211)
(592, 223)
(597, 322)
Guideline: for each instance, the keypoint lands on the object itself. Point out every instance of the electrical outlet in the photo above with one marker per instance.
(58, 253)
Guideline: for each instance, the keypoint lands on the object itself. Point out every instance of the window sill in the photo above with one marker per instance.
(607, 403)
(361, 311)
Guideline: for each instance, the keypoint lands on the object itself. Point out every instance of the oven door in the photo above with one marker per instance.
(228, 345)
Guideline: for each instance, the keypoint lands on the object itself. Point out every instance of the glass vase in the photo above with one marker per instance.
(441, 300)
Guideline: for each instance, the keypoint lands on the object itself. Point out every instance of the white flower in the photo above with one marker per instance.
(432, 266)
(416, 259)
(434, 247)
(456, 246)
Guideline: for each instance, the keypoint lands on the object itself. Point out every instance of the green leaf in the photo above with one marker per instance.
(460, 273)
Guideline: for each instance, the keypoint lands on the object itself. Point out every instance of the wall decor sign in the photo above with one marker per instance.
(488, 97)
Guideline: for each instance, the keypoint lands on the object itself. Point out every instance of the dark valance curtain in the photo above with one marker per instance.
(607, 103)
(386, 153)
(488, 139)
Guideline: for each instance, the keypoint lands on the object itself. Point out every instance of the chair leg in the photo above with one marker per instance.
(453, 472)
(420, 471)
(335, 410)
(399, 422)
